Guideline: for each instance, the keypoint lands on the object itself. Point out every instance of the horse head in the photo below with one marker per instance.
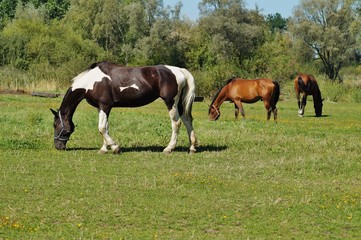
(213, 113)
(63, 128)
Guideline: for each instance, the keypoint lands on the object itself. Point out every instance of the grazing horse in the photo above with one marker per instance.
(239, 90)
(307, 85)
(106, 85)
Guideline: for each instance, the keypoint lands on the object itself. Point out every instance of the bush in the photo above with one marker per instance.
(332, 91)
(356, 95)
(210, 80)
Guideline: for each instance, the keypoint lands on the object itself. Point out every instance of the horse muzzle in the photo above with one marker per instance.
(60, 145)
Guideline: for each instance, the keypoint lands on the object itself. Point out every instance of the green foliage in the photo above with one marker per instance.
(231, 33)
(325, 27)
(47, 51)
(276, 22)
(50, 41)
(213, 78)
(333, 91)
(356, 94)
(274, 59)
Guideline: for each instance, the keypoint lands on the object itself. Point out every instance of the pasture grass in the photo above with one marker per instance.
(250, 179)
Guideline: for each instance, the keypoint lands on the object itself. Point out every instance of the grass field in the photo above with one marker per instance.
(250, 179)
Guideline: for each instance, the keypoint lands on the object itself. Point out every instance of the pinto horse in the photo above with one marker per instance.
(240, 91)
(307, 85)
(106, 85)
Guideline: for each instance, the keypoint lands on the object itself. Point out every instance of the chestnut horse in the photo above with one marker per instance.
(240, 91)
(307, 85)
(106, 85)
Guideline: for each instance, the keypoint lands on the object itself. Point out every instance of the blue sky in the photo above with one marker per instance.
(284, 7)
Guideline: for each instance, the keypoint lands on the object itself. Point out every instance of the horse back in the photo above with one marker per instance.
(250, 91)
(305, 83)
(122, 86)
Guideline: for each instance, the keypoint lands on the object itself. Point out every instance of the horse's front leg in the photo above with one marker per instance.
(103, 127)
(298, 102)
(301, 109)
(236, 111)
(176, 123)
(238, 104)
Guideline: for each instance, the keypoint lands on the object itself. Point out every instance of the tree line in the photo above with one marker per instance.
(56, 39)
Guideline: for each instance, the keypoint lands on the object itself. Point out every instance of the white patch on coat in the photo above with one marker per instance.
(131, 86)
(87, 79)
(179, 75)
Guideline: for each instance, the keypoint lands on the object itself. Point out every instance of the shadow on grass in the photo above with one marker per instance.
(314, 116)
(205, 148)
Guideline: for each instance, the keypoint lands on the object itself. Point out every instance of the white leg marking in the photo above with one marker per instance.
(104, 130)
(191, 134)
(174, 117)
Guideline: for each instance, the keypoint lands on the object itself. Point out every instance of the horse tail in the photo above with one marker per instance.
(188, 93)
(277, 92)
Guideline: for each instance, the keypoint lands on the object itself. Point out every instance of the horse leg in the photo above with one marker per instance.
(236, 111)
(187, 120)
(299, 103)
(103, 127)
(176, 123)
(274, 110)
(268, 107)
(301, 110)
(238, 104)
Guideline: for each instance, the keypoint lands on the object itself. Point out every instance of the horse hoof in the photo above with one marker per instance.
(117, 150)
(192, 151)
(300, 115)
(167, 151)
(101, 151)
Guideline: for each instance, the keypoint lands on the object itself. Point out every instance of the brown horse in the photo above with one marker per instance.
(106, 85)
(239, 90)
(307, 85)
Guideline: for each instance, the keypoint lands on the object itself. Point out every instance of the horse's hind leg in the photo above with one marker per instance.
(176, 123)
(268, 107)
(187, 120)
(103, 127)
(275, 111)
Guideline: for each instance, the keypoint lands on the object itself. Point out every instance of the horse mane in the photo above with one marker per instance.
(220, 89)
(96, 64)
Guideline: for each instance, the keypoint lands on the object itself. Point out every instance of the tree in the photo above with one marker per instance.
(230, 32)
(324, 26)
(276, 21)
(81, 16)
(110, 26)
(54, 8)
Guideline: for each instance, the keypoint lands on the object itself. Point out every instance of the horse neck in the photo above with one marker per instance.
(317, 95)
(219, 98)
(70, 102)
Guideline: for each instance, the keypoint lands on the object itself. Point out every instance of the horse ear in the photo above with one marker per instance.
(54, 112)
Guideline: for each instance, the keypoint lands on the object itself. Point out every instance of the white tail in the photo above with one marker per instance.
(189, 93)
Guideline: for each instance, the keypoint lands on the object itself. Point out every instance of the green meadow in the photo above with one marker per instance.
(250, 179)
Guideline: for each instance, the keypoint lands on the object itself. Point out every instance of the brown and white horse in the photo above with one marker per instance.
(307, 85)
(106, 85)
(240, 91)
